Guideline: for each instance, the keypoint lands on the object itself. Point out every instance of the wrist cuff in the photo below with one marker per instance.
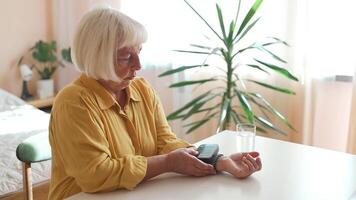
(217, 157)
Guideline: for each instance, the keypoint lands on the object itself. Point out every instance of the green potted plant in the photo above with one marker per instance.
(45, 55)
(237, 104)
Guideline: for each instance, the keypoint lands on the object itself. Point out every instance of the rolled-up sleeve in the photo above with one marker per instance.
(166, 139)
(81, 144)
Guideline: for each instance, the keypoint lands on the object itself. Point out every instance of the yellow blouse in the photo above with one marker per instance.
(99, 146)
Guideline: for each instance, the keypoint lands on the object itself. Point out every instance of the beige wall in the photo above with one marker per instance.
(22, 23)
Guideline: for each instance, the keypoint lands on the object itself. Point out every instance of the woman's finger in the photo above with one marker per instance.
(200, 164)
(236, 156)
(253, 154)
(242, 173)
(204, 167)
(191, 151)
(209, 169)
(249, 164)
(253, 161)
(259, 163)
(193, 147)
(202, 172)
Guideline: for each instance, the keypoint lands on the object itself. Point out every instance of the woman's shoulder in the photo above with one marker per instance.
(141, 82)
(142, 86)
(72, 94)
(144, 90)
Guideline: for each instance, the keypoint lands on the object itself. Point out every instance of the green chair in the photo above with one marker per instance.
(33, 149)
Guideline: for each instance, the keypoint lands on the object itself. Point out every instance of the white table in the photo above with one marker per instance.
(290, 171)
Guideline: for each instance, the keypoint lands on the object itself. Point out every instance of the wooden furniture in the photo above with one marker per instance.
(290, 171)
(40, 192)
(42, 104)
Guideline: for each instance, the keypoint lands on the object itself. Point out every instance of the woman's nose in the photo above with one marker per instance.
(136, 65)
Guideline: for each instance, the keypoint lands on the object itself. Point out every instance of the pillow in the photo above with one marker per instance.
(8, 100)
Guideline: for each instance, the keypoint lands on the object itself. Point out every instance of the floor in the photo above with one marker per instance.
(40, 192)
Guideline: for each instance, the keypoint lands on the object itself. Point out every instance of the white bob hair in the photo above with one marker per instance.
(98, 36)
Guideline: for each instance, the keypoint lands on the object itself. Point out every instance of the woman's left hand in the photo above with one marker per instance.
(240, 165)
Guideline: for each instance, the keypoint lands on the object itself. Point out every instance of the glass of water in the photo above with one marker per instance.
(246, 137)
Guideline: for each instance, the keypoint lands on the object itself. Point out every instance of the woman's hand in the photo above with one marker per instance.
(240, 165)
(184, 161)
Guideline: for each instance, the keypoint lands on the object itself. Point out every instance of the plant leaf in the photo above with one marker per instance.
(185, 83)
(196, 12)
(273, 110)
(259, 129)
(259, 68)
(244, 49)
(213, 51)
(279, 70)
(284, 90)
(199, 123)
(66, 55)
(241, 81)
(223, 112)
(208, 109)
(249, 15)
(249, 97)
(268, 124)
(231, 32)
(247, 29)
(237, 13)
(196, 107)
(182, 68)
(235, 117)
(191, 103)
(221, 20)
(261, 48)
(280, 41)
(270, 43)
(196, 52)
(245, 106)
(200, 46)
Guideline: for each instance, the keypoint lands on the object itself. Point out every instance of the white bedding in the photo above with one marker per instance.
(18, 121)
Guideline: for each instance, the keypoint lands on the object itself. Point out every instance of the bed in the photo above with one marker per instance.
(19, 121)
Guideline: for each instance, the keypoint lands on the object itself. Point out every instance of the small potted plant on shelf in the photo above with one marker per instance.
(44, 53)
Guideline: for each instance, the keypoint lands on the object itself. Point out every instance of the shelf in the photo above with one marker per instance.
(42, 103)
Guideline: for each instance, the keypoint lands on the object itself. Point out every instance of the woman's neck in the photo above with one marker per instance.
(120, 94)
(121, 97)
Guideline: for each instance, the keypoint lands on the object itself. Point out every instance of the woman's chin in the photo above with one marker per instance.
(126, 82)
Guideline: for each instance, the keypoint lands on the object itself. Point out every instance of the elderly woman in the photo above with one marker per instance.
(108, 129)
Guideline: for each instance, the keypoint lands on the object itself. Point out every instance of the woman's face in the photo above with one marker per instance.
(126, 62)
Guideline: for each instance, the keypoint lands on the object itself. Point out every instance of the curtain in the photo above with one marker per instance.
(66, 15)
(351, 148)
(329, 63)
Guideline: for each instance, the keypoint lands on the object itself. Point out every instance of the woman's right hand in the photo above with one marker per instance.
(184, 161)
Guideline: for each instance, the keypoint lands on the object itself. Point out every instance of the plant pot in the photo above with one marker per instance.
(45, 88)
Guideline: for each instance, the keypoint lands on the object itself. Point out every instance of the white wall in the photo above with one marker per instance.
(331, 114)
